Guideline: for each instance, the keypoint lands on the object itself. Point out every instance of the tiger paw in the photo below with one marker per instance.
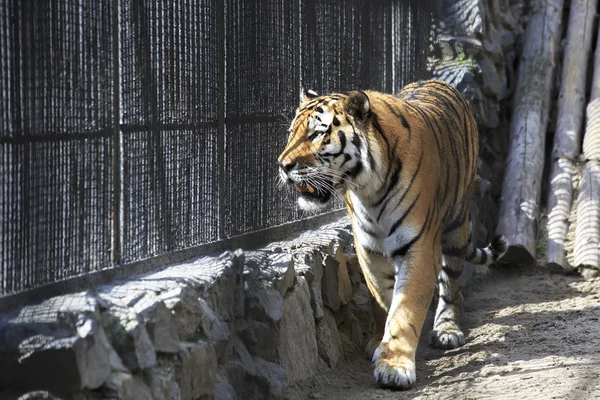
(396, 372)
(446, 339)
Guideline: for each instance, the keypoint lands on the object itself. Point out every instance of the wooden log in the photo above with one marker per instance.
(525, 162)
(567, 139)
(587, 230)
(591, 138)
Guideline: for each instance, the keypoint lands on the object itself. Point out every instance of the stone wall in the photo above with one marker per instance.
(241, 325)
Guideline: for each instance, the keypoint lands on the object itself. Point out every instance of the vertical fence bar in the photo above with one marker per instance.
(116, 139)
(365, 51)
(390, 50)
(221, 119)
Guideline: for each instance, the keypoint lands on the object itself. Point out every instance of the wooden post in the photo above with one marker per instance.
(567, 138)
(525, 161)
(587, 231)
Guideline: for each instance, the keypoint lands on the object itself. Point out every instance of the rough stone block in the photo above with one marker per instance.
(493, 83)
(274, 266)
(197, 372)
(330, 287)
(161, 325)
(162, 384)
(214, 329)
(344, 283)
(263, 302)
(58, 345)
(274, 378)
(361, 307)
(297, 347)
(352, 327)
(129, 337)
(266, 340)
(184, 304)
(328, 339)
(121, 385)
(310, 265)
(212, 278)
(222, 390)
(354, 270)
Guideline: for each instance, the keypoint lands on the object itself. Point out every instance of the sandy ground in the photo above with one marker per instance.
(530, 335)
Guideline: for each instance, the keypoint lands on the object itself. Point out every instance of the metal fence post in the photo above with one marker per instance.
(221, 121)
(116, 139)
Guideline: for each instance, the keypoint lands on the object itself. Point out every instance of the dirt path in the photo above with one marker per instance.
(530, 335)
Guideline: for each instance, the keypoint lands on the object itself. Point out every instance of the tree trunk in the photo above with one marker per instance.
(567, 138)
(525, 162)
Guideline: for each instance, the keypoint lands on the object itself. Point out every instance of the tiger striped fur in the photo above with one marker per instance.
(405, 166)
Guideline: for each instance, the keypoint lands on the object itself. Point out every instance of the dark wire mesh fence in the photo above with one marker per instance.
(131, 129)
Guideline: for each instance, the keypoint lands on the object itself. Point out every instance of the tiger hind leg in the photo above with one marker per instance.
(447, 333)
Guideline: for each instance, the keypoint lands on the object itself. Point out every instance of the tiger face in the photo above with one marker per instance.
(324, 150)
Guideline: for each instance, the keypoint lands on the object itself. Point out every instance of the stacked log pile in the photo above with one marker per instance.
(573, 202)
(519, 207)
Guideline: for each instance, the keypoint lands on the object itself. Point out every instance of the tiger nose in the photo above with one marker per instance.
(286, 166)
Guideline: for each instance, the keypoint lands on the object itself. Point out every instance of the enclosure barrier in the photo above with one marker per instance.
(131, 130)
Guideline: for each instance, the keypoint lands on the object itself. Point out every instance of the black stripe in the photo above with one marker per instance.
(402, 251)
(451, 273)
(356, 140)
(484, 257)
(412, 180)
(452, 149)
(425, 117)
(375, 122)
(391, 185)
(414, 330)
(347, 157)
(445, 319)
(353, 173)
(456, 251)
(399, 221)
(370, 250)
(448, 300)
(398, 114)
(457, 223)
(364, 228)
(342, 138)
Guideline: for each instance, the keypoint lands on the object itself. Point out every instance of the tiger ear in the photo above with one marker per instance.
(358, 105)
(306, 95)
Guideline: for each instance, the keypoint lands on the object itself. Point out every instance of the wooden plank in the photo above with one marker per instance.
(587, 230)
(525, 162)
(567, 139)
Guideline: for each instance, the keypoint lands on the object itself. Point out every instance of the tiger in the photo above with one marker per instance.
(405, 167)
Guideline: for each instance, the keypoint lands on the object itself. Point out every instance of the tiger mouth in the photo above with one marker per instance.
(310, 192)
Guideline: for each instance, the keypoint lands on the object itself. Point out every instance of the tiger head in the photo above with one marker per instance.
(325, 148)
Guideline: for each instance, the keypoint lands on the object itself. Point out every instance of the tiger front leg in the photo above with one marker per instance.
(394, 359)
